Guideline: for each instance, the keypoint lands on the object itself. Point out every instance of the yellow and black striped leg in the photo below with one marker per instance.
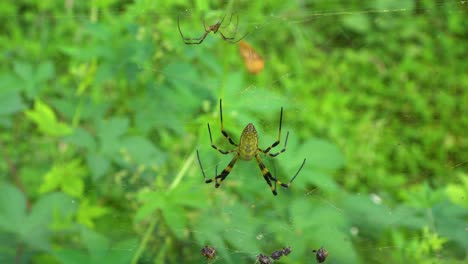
(268, 177)
(225, 134)
(218, 178)
(266, 174)
(292, 179)
(215, 147)
(278, 140)
(225, 172)
(266, 151)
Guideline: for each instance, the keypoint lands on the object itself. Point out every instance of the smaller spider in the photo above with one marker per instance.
(211, 28)
(209, 252)
(321, 254)
(263, 259)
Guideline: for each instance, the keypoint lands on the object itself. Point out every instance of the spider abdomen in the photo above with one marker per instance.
(248, 145)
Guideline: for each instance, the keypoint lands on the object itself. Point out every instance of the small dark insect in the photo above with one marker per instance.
(263, 259)
(211, 28)
(321, 254)
(286, 251)
(279, 253)
(209, 252)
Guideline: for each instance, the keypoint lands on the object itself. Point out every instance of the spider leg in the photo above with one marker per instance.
(267, 150)
(195, 40)
(221, 22)
(204, 26)
(230, 19)
(190, 41)
(268, 177)
(178, 26)
(231, 39)
(292, 179)
(266, 174)
(201, 166)
(225, 134)
(220, 178)
(228, 39)
(279, 152)
(218, 149)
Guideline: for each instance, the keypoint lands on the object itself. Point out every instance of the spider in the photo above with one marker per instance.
(321, 254)
(246, 150)
(208, 252)
(211, 28)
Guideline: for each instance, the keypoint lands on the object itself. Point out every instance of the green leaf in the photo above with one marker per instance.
(45, 71)
(43, 116)
(32, 229)
(323, 181)
(87, 213)
(143, 151)
(151, 201)
(97, 244)
(357, 22)
(71, 256)
(321, 154)
(23, 70)
(450, 220)
(109, 132)
(12, 208)
(391, 5)
(176, 219)
(10, 102)
(99, 250)
(67, 177)
(82, 138)
(457, 192)
(98, 164)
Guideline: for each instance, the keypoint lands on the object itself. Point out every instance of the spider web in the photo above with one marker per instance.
(334, 230)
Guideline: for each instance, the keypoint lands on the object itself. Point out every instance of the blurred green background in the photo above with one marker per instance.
(103, 106)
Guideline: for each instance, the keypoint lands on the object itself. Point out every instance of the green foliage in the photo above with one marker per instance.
(31, 226)
(67, 177)
(102, 107)
(47, 122)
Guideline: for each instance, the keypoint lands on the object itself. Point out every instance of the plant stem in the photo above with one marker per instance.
(144, 241)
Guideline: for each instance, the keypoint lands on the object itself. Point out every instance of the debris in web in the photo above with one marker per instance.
(263, 259)
(279, 253)
(321, 254)
(209, 252)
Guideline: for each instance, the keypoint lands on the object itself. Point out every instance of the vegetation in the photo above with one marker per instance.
(103, 106)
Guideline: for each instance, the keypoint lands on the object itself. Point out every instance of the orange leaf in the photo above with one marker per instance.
(253, 61)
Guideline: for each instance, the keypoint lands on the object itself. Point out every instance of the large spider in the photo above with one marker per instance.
(246, 150)
(211, 28)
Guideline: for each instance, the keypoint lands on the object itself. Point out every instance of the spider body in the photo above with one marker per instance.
(248, 143)
(214, 28)
(211, 28)
(248, 149)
